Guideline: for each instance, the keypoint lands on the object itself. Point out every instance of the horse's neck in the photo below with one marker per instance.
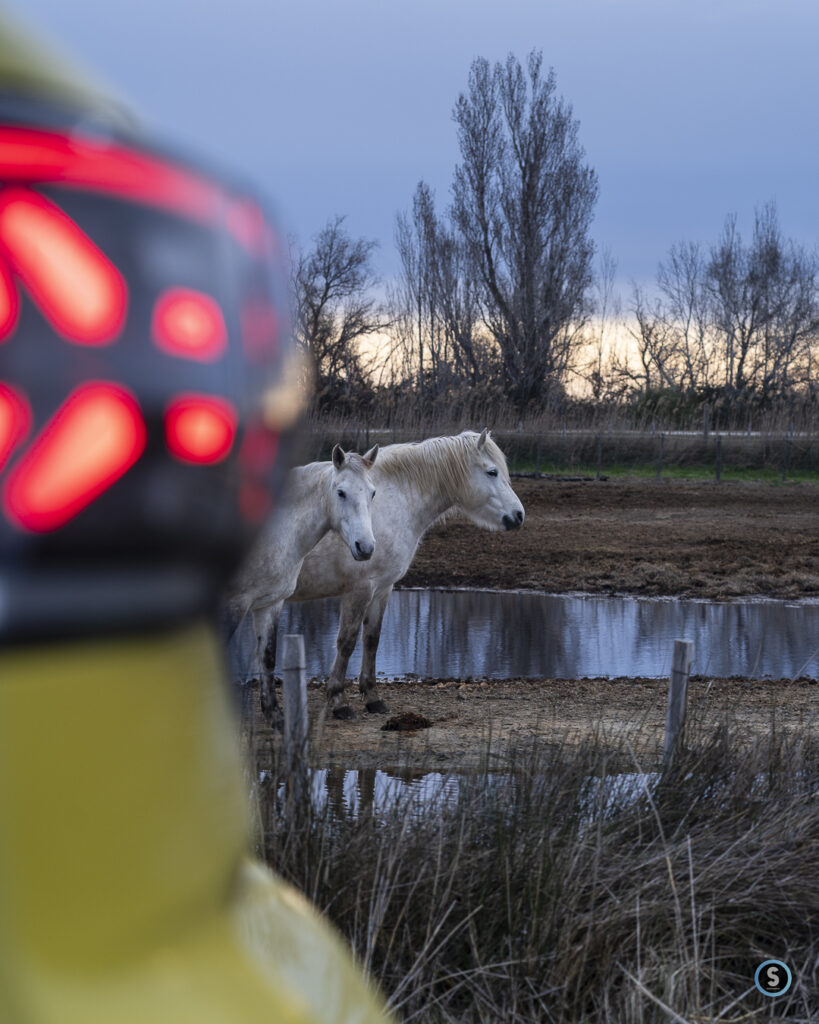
(308, 508)
(426, 507)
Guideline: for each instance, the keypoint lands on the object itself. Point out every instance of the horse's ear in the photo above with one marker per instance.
(482, 438)
(370, 456)
(338, 456)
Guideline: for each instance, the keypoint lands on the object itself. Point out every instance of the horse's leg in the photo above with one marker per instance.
(373, 618)
(229, 620)
(265, 623)
(335, 791)
(353, 606)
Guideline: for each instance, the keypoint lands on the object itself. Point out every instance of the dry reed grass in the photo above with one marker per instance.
(555, 891)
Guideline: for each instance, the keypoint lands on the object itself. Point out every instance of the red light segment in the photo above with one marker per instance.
(15, 421)
(9, 303)
(200, 428)
(189, 323)
(31, 155)
(76, 286)
(95, 436)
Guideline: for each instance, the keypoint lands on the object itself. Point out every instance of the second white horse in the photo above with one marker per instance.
(320, 497)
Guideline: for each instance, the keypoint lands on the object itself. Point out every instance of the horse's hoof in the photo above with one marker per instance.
(271, 712)
(275, 719)
(345, 713)
(377, 707)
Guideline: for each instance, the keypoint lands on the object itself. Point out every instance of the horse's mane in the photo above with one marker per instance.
(439, 463)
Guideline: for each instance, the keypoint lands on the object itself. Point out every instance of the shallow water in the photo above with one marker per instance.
(346, 792)
(482, 633)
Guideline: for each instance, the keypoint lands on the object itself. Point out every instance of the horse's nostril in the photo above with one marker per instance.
(363, 551)
(519, 516)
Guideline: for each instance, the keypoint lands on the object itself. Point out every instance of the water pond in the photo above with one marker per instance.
(483, 633)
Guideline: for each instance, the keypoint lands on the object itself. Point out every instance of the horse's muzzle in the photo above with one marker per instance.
(513, 522)
(363, 552)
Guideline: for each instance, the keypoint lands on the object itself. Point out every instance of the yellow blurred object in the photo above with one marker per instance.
(34, 70)
(126, 894)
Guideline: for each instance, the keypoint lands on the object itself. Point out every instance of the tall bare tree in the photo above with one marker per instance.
(523, 199)
(765, 307)
(437, 298)
(336, 309)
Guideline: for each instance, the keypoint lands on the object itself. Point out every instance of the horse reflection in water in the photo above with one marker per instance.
(321, 497)
(416, 484)
(365, 791)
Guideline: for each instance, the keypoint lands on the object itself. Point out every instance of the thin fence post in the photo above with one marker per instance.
(294, 699)
(785, 455)
(677, 694)
(537, 457)
(599, 455)
(660, 457)
(719, 457)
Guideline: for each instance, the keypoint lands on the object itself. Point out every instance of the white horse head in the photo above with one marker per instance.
(485, 494)
(350, 498)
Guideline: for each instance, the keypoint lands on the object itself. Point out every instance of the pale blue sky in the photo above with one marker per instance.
(688, 110)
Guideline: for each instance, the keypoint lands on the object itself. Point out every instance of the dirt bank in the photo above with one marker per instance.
(465, 715)
(693, 539)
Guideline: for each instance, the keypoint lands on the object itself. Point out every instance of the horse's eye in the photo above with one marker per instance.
(342, 495)
(491, 472)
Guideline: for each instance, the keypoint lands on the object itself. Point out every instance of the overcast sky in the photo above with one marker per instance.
(688, 110)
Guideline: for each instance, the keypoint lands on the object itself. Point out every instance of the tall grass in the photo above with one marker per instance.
(554, 891)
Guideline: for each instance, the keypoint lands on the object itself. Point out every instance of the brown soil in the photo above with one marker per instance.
(468, 717)
(672, 538)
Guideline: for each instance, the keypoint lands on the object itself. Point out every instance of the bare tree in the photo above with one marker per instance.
(764, 298)
(687, 315)
(601, 358)
(336, 309)
(523, 202)
(437, 302)
(656, 345)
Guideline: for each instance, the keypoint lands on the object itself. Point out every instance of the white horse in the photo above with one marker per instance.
(416, 483)
(318, 498)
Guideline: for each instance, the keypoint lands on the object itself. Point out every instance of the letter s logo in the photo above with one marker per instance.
(773, 978)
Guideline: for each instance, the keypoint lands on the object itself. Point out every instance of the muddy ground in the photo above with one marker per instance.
(639, 537)
(669, 538)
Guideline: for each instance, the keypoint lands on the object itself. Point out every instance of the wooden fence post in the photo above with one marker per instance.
(677, 693)
(719, 457)
(294, 699)
(599, 456)
(660, 457)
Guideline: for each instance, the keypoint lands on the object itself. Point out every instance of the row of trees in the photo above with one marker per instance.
(737, 316)
(499, 296)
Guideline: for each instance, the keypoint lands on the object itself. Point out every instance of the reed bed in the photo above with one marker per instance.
(550, 889)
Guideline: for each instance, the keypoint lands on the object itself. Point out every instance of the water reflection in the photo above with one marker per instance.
(352, 792)
(468, 633)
